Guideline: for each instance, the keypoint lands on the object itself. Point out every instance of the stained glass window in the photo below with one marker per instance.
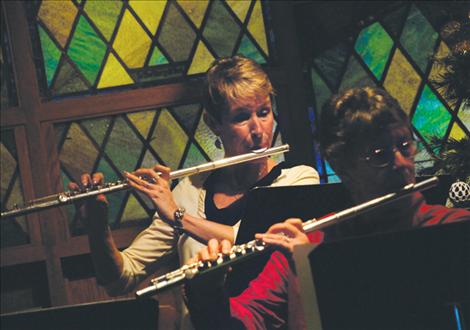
(174, 136)
(14, 231)
(89, 46)
(394, 52)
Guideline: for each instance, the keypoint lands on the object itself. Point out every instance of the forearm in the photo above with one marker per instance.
(107, 259)
(206, 229)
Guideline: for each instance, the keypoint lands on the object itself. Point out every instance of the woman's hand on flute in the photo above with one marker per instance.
(155, 183)
(92, 211)
(285, 235)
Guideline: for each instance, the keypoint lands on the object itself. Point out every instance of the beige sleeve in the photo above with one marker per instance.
(150, 248)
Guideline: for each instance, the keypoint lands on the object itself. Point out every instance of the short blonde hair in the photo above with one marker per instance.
(232, 79)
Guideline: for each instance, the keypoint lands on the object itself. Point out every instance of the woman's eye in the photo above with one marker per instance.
(240, 118)
(264, 112)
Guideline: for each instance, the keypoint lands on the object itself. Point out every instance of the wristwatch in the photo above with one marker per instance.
(178, 215)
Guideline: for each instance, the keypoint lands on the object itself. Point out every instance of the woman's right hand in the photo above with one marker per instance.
(92, 211)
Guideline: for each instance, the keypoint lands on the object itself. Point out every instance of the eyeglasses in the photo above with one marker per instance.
(382, 157)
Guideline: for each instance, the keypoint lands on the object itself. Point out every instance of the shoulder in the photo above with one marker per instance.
(436, 214)
(298, 175)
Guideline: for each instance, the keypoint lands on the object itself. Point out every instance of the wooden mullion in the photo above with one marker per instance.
(293, 108)
(29, 101)
(26, 182)
(122, 102)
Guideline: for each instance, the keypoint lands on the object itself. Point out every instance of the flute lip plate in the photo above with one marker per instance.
(259, 151)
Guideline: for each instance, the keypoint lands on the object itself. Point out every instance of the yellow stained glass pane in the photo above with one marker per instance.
(133, 211)
(457, 132)
(256, 27)
(8, 168)
(78, 154)
(402, 81)
(202, 59)
(58, 16)
(114, 74)
(132, 43)
(438, 70)
(195, 10)
(240, 8)
(150, 12)
(142, 121)
(169, 140)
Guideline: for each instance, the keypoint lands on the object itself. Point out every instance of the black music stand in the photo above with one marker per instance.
(404, 280)
(123, 314)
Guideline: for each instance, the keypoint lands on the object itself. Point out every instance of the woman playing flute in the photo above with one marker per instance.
(238, 104)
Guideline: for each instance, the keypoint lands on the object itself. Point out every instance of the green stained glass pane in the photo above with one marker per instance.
(78, 154)
(188, 115)
(221, 30)
(423, 159)
(157, 57)
(418, 38)
(87, 50)
(169, 140)
(97, 128)
(123, 146)
(431, 118)
(394, 20)
(104, 14)
(355, 76)
(51, 55)
(13, 231)
(248, 49)
(149, 160)
(133, 211)
(464, 114)
(205, 138)
(321, 91)
(373, 45)
(68, 80)
(194, 157)
(331, 63)
(176, 36)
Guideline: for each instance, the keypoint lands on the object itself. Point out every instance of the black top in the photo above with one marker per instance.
(231, 214)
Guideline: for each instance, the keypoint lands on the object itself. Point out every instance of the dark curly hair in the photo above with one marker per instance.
(349, 119)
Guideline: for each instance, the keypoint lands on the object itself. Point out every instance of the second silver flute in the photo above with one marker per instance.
(253, 248)
(72, 196)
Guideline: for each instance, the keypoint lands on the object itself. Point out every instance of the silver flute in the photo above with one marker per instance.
(242, 252)
(69, 197)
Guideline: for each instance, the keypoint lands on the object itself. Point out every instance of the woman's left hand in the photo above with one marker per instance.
(155, 183)
(286, 234)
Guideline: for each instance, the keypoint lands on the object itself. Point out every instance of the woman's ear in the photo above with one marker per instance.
(212, 123)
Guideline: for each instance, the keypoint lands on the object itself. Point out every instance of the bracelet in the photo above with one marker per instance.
(178, 223)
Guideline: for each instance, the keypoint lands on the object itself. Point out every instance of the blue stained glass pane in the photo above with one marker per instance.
(418, 38)
(431, 117)
(331, 63)
(374, 44)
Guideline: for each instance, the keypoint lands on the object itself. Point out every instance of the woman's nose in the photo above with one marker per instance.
(255, 126)
(399, 160)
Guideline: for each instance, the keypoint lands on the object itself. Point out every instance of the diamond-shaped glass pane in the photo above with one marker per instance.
(97, 45)
(14, 231)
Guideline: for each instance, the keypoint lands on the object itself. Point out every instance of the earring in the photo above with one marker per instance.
(218, 143)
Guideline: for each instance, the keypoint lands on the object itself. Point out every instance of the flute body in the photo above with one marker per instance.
(242, 252)
(72, 196)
